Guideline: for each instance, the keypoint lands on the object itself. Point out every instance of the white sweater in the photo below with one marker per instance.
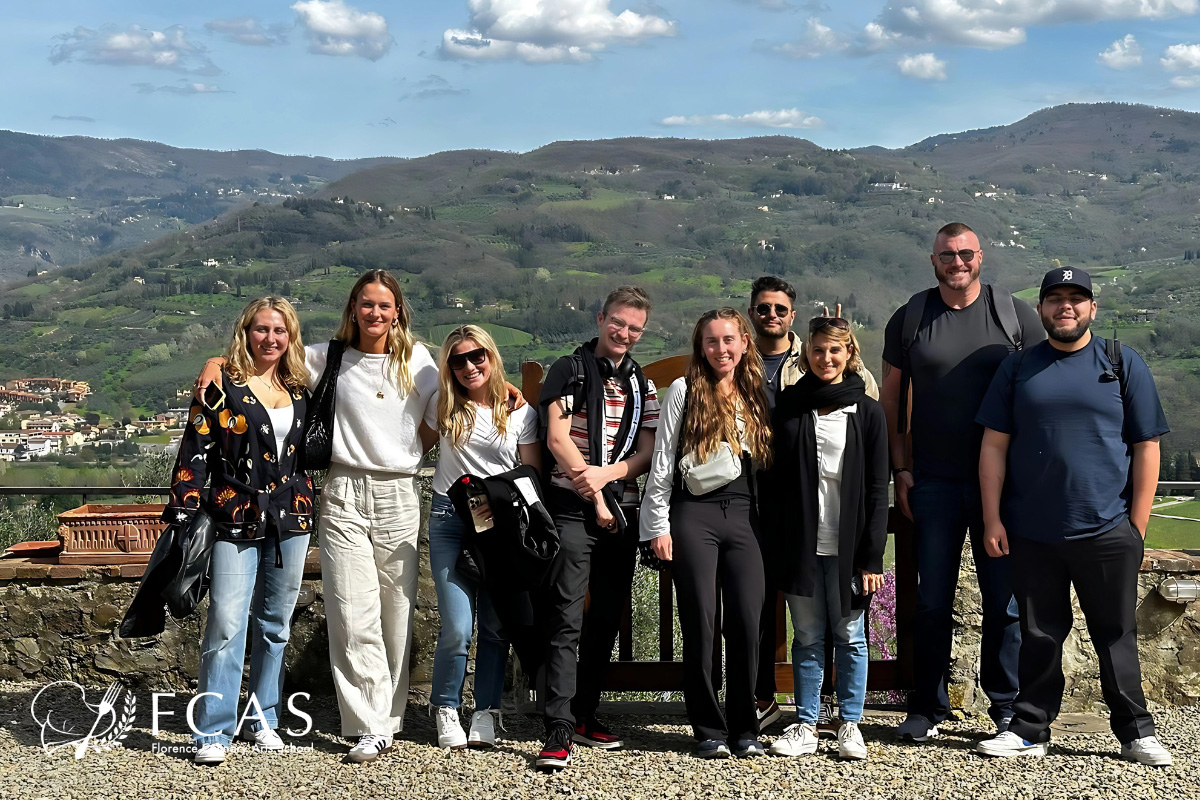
(369, 432)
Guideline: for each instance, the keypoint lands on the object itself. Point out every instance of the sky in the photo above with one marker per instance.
(358, 78)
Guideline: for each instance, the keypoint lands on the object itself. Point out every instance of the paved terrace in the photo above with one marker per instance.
(656, 764)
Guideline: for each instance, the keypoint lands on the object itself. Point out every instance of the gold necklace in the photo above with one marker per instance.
(383, 370)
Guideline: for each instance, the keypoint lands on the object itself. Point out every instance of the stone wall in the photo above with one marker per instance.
(1168, 642)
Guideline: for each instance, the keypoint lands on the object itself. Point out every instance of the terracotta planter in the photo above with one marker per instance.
(109, 534)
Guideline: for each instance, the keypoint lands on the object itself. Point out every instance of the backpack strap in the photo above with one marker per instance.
(1112, 349)
(1005, 308)
(914, 312)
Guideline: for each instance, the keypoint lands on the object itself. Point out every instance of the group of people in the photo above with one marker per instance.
(766, 469)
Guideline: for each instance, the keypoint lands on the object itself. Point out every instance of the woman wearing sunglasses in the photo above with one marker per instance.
(480, 436)
(370, 506)
(699, 512)
(246, 443)
(831, 457)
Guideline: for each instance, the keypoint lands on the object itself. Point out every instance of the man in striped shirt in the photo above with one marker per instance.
(600, 382)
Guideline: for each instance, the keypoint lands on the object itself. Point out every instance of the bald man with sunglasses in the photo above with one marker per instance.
(942, 361)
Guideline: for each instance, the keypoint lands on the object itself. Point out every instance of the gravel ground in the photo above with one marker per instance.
(656, 763)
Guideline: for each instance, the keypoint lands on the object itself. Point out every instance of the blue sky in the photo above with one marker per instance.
(352, 78)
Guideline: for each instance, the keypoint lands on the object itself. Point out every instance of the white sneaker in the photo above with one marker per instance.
(264, 739)
(1009, 744)
(209, 754)
(369, 747)
(799, 739)
(850, 742)
(1147, 750)
(917, 728)
(450, 732)
(483, 729)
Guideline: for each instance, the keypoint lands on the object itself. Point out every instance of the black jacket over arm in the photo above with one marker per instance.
(232, 448)
(789, 498)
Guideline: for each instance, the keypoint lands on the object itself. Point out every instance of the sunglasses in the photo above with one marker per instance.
(967, 256)
(459, 360)
(816, 323)
(764, 309)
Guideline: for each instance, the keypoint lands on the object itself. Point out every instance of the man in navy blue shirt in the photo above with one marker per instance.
(1067, 474)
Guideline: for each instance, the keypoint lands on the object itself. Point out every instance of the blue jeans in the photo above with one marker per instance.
(850, 654)
(943, 511)
(245, 581)
(459, 598)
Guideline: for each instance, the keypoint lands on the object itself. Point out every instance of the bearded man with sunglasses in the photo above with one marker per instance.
(945, 345)
(599, 413)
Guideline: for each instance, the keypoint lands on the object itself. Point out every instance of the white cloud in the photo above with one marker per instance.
(432, 86)
(73, 118)
(184, 87)
(336, 29)
(248, 31)
(1122, 54)
(784, 118)
(1181, 58)
(134, 47)
(995, 24)
(816, 40)
(564, 31)
(1185, 82)
(924, 66)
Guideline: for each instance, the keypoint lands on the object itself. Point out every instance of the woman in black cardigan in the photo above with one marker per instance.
(831, 455)
(247, 445)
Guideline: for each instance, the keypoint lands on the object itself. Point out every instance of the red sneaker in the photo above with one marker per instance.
(594, 734)
(556, 753)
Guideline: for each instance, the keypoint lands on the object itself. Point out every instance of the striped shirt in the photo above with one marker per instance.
(615, 398)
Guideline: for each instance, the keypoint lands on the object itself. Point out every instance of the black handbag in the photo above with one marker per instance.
(318, 422)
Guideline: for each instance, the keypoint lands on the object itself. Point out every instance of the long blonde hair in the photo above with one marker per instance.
(711, 418)
(291, 371)
(455, 411)
(400, 341)
(839, 330)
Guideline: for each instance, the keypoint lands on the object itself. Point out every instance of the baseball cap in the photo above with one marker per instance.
(1065, 276)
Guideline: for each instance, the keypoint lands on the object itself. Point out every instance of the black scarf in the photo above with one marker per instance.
(811, 392)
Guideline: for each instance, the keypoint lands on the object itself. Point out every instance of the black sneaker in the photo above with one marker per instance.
(556, 753)
(593, 733)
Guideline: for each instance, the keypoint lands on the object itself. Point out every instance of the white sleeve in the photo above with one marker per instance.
(425, 379)
(656, 502)
(528, 432)
(315, 357)
(431, 412)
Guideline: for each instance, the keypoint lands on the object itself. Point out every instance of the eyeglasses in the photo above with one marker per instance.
(967, 256)
(764, 310)
(618, 324)
(459, 360)
(816, 323)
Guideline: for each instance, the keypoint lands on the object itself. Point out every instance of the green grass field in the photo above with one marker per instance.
(504, 336)
(1175, 534)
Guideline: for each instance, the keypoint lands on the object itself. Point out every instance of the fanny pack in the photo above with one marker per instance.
(721, 468)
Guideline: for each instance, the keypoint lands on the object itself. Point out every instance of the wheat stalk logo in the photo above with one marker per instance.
(51, 709)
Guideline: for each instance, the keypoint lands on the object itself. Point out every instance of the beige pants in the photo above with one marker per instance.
(368, 532)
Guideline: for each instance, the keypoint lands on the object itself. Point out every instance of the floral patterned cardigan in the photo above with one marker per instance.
(232, 448)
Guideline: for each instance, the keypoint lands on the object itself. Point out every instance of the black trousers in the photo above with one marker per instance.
(764, 683)
(588, 560)
(1104, 571)
(711, 540)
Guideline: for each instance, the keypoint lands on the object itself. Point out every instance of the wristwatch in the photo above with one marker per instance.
(898, 470)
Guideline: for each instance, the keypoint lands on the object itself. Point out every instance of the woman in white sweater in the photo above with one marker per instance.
(370, 507)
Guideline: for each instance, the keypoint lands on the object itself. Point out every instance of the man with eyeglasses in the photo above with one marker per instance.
(946, 344)
(772, 312)
(1071, 431)
(600, 414)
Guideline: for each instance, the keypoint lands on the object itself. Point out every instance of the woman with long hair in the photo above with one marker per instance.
(479, 436)
(699, 512)
(246, 442)
(370, 507)
(831, 461)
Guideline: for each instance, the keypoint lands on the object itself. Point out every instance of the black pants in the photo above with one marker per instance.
(711, 540)
(764, 683)
(588, 560)
(1104, 570)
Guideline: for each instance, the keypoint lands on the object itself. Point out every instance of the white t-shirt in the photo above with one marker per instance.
(281, 423)
(831, 455)
(370, 432)
(484, 453)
